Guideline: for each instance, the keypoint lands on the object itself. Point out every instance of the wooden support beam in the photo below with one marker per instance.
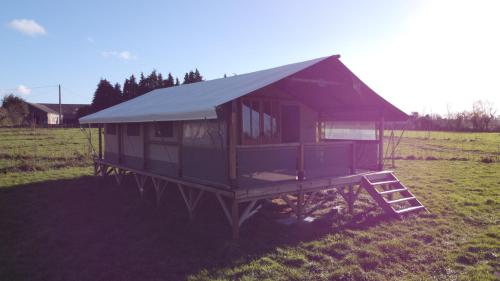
(145, 145)
(224, 208)
(180, 132)
(119, 139)
(300, 164)
(381, 144)
(119, 173)
(99, 130)
(353, 158)
(300, 206)
(249, 211)
(159, 186)
(191, 200)
(235, 218)
(141, 181)
(232, 142)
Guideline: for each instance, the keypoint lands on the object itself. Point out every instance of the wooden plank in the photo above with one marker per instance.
(300, 166)
(221, 189)
(119, 140)
(99, 130)
(381, 144)
(145, 145)
(235, 219)
(224, 208)
(232, 142)
(353, 158)
(180, 147)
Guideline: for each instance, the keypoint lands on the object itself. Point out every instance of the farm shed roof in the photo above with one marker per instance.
(43, 107)
(199, 100)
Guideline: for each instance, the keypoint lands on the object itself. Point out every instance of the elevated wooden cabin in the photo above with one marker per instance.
(292, 129)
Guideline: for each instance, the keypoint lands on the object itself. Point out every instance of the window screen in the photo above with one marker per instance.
(349, 130)
(164, 129)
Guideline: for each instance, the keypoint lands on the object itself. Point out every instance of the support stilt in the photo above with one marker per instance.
(232, 215)
(141, 181)
(191, 199)
(159, 186)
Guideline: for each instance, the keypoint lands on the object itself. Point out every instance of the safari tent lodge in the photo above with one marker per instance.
(293, 131)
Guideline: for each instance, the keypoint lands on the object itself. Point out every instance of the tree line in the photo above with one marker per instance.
(482, 117)
(107, 94)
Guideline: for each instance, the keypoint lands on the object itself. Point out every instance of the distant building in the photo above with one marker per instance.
(48, 113)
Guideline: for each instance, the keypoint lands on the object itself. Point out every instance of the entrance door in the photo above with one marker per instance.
(290, 123)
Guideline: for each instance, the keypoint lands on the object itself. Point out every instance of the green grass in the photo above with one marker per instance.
(33, 155)
(58, 223)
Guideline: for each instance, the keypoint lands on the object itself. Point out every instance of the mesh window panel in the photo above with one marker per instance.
(367, 155)
(327, 160)
(205, 163)
(260, 166)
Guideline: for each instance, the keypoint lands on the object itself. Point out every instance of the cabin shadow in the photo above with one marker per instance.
(91, 229)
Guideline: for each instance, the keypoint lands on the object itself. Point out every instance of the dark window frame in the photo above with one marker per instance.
(133, 129)
(164, 129)
(110, 129)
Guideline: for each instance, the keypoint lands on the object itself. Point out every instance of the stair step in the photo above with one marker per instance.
(401, 200)
(384, 182)
(392, 191)
(411, 209)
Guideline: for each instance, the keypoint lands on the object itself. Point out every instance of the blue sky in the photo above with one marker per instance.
(414, 53)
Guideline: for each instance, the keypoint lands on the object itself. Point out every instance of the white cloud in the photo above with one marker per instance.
(124, 55)
(28, 27)
(23, 90)
(90, 39)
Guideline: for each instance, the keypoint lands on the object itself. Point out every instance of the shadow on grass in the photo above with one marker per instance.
(91, 229)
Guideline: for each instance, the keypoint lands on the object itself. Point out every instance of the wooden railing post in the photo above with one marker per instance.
(381, 144)
(119, 138)
(99, 130)
(353, 158)
(301, 172)
(232, 134)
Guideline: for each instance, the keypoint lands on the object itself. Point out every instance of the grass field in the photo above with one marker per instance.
(59, 223)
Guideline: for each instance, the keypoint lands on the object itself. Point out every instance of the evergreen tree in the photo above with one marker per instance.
(130, 88)
(116, 95)
(170, 80)
(177, 83)
(186, 79)
(142, 87)
(103, 96)
(197, 76)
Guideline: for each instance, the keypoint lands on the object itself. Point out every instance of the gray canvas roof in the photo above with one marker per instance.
(199, 100)
(192, 101)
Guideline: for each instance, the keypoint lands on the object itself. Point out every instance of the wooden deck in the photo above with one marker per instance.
(239, 204)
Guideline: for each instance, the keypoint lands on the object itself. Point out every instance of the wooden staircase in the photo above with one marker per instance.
(391, 195)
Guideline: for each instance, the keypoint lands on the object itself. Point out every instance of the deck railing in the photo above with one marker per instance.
(265, 164)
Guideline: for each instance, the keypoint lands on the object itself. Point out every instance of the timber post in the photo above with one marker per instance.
(145, 145)
(381, 144)
(235, 219)
(119, 139)
(353, 158)
(99, 130)
(300, 164)
(233, 127)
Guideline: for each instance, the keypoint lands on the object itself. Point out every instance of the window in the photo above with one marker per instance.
(164, 129)
(260, 121)
(345, 130)
(133, 130)
(111, 129)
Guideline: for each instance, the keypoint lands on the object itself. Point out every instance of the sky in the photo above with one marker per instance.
(426, 56)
